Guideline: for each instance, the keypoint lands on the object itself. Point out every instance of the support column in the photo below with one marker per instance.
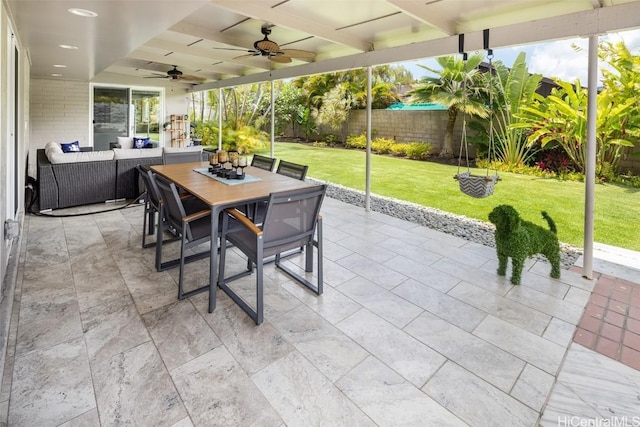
(367, 194)
(273, 122)
(220, 118)
(590, 167)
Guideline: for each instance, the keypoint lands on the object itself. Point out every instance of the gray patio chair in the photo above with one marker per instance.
(191, 221)
(292, 170)
(182, 157)
(292, 219)
(263, 162)
(151, 204)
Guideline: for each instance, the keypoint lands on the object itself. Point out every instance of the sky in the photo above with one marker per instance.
(553, 59)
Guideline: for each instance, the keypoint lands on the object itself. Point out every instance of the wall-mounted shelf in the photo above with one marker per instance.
(179, 130)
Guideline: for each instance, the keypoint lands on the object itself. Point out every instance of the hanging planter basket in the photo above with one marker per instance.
(475, 185)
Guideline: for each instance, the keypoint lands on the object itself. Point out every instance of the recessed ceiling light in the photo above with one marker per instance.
(56, 75)
(82, 12)
(59, 66)
(68, 46)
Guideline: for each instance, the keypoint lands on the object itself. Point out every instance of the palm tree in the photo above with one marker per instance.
(456, 86)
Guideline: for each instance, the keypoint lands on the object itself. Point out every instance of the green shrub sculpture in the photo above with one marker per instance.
(520, 239)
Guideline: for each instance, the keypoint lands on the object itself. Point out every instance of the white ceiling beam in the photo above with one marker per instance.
(259, 10)
(417, 11)
(199, 54)
(581, 24)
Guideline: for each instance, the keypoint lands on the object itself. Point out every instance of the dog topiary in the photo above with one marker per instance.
(520, 239)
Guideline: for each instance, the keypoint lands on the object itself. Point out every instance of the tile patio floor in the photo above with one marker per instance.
(414, 328)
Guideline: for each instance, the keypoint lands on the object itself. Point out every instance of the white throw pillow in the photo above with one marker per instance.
(136, 153)
(82, 156)
(52, 147)
(197, 148)
(125, 141)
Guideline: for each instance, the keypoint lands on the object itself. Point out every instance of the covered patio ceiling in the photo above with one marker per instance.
(209, 40)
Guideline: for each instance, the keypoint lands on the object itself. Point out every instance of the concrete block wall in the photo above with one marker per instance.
(59, 111)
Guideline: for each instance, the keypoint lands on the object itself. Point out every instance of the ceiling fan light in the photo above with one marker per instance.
(266, 46)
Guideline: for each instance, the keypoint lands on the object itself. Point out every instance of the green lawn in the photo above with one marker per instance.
(430, 184)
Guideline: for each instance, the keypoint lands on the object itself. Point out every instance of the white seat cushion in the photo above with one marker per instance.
(82, 156)
(171, 150)
(136, 153)
(125, 141)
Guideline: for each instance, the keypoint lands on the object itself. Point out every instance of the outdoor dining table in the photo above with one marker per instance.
(221, 193)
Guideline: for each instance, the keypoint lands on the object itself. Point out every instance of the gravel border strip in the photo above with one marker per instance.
(456, 225)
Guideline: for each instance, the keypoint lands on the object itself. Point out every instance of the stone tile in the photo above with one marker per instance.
(565, 405)
(276, 299)
(577, 296)
(489, 281)
(501, 307)
(400, 247)
(533, 387)
(332, 305)
(112, 329)
(324, 345)
(555, 307)
(442, 281)
(559, 332)
(365, 248)
(587, 384)
(388, 399)
(152, 291)
(46, 320)
(385, 304)
(362, 230)
(535, 350)
(376, 272)
(233, 400)
(460, 254)
(334, 251)
(88, 419)
(134, 388)
(404, 354)
(452, 310)
(254, 347)
(303, 396)
(483, 359)
(51, 386)
(4, 413)
(179, 333)
(475, 401)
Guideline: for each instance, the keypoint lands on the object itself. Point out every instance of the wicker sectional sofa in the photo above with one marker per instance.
(94, 178)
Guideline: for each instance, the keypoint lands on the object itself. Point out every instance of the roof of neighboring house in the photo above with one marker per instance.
(420, 106)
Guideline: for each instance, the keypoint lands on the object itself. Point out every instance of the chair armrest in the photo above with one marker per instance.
(196, 215)
(242, 219)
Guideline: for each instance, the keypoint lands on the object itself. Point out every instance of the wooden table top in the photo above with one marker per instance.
(218, 194)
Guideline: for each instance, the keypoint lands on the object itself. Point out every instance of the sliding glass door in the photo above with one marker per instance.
(122, 111)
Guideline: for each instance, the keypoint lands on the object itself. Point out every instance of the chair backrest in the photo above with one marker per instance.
(291, 218)
(150, 185)
(263, 162)
(172, 206)
(182, 157)
(293, 170)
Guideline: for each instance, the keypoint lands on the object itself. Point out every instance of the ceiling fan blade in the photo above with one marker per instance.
(231, 48)
(281, 59)
(249, 55)
(191, 78)
(156, 77)
(299, 54)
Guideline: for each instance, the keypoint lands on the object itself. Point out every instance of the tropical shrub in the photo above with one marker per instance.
(246, 139)
(382, 145)
(356, 141)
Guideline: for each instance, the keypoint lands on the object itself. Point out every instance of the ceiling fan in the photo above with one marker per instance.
(176, 74)
(271, 50)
